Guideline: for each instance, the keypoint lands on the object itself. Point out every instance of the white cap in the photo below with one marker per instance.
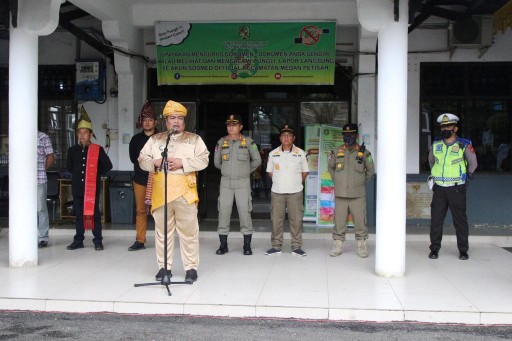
(447, 118)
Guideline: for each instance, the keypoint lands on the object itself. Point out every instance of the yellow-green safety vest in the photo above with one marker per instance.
(450, 165)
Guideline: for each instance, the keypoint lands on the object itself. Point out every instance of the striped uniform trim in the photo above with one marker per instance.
(447, 179)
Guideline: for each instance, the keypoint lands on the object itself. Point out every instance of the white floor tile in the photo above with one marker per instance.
(447, 290)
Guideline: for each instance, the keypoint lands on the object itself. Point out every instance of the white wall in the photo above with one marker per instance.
(104, 119)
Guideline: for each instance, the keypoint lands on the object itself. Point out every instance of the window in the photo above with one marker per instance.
(481, 95)
(57, 119)
(57, 108)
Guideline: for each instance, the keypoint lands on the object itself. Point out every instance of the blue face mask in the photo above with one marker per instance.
(350, 139)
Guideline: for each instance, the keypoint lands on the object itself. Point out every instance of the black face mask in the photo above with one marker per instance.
(446, 133)
(350, 139)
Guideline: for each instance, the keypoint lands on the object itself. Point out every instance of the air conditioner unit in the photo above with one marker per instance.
(471, 33)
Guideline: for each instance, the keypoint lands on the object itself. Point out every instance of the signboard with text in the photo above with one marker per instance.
(276, 53)
(330, 139)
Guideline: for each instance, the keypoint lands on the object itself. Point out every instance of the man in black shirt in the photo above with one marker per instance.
(147, 122)
(87, 162)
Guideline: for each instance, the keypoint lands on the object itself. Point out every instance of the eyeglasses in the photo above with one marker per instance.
(179, 118)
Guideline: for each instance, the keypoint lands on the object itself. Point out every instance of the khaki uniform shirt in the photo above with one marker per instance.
(350, 169)
(236, 160)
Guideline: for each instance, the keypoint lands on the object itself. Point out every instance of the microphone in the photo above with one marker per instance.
(164, 153)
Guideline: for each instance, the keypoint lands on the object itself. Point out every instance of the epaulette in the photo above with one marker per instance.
(465, 141)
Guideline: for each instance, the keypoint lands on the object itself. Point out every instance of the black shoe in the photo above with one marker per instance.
(136, 246)
(98, 247)
(299, 252)
(42, 243)
(434, 254)
(247, 244)
(273, 251)
(75, 245)
(223, 248)
(463, 255)
(191, 276)
(160, 275)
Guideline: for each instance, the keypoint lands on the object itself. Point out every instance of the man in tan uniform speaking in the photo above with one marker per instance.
(187, 154)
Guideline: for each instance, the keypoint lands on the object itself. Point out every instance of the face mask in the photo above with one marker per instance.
(349, 140)
(446, 133)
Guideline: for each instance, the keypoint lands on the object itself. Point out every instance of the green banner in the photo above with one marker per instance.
(246, 53)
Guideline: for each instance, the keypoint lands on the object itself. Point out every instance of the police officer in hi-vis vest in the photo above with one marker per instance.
(350, 167)
(237, 156)
(452, 161)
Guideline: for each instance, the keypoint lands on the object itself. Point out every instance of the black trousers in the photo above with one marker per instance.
(453, 197)
(78, 203)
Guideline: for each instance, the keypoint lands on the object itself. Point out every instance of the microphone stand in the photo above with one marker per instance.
(166, 280)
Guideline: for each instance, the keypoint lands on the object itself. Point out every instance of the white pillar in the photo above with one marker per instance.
(35, 18)
(392, 131)
(377, 16)
(130, 72)
(23, 75)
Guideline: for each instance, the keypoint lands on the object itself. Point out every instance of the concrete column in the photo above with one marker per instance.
(35, 18)
(392, 123)
(23, 76)
(377, 15)
(130, 73)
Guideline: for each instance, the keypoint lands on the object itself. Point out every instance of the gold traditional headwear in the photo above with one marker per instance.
(84, 121)
(174, 108)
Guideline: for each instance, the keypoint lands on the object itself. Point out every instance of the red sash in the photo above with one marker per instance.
(91, 173)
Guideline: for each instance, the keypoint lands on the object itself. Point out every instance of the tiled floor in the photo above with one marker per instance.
(447, 290)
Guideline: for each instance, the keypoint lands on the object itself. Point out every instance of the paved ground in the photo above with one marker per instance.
(52, 326)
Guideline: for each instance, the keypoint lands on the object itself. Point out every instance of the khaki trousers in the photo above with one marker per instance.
(181, 219)
(243, 199)
(141, 218)
(280, 204)
(356, 207)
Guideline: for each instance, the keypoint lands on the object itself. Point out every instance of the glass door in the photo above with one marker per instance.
(267, 120)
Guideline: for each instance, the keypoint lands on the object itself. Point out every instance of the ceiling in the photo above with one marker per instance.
(453, 10)
(419, 11)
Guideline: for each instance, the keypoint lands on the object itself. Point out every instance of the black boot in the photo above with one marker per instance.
(247, 244)
(223, 248)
